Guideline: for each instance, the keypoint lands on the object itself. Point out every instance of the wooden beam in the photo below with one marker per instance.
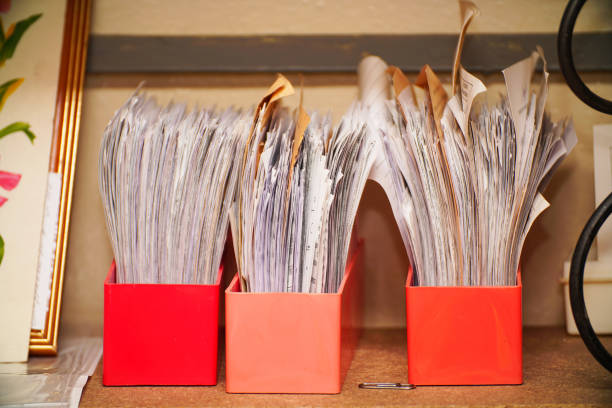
(333, 53)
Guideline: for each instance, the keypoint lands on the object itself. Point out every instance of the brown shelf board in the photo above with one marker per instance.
(558, 371)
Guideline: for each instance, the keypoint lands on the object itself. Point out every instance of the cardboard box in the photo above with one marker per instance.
(464, 335)
(158, 334)
(293, 342)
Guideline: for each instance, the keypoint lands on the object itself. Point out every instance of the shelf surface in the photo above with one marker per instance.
(558, 370)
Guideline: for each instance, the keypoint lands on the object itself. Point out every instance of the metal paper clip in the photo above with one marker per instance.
(387, 386)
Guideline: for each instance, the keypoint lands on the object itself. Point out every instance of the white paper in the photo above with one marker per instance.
(465, 201)
(296, 214)
(461, 103)
(167, 180)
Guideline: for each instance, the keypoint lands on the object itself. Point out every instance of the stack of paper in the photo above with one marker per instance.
(464, 184)
(298, 194)
(463, 177)
(167, 179)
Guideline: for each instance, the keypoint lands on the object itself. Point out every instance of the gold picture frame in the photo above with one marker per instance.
(63, 156)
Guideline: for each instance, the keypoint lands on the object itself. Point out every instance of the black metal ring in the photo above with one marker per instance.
(579, 311)
(566, 60)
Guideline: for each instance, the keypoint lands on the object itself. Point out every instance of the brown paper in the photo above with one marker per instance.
(468, 12)
(437, 98)
(436, 94)
(400, 82)
(298, 136)
(279, 89)
(300, 128)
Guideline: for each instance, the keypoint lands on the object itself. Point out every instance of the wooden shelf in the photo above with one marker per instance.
(558, 370)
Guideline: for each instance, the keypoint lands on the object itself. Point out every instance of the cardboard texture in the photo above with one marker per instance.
(464, 335)
(293, 342)
(158, 334)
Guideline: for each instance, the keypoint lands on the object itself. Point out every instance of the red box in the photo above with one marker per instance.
(158, 334)
(464, 335)
(293, 342)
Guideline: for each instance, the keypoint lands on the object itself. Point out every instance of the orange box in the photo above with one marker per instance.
(160, 334)
(293, 342)
(464, 335)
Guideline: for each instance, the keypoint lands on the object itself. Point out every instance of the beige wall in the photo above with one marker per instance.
(549, 243)
(243, 17)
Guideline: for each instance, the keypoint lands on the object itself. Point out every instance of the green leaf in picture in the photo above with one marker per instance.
(1, 249)
(13, 36)
(7, 88)
(18, 127)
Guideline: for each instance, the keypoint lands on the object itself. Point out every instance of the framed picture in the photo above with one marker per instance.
(42, 61)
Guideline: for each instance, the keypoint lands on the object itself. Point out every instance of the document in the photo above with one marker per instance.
(167, 179)
(464, 178)
(297, 196)
(465, 184)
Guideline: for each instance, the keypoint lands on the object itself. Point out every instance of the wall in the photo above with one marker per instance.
(548, 245)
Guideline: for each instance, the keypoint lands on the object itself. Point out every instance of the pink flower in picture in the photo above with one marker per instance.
(9, 181)
(8, 44)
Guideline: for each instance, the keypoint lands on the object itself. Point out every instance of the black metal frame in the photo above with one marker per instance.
(566, 59)
(601, 214)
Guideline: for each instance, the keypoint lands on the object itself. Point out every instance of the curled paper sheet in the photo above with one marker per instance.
(373, 81)
(461, 103)
(465, 186)
(468, 11)
(374, 91)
